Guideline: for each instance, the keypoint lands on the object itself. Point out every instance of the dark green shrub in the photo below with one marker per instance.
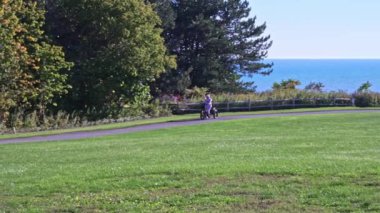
(30, 120)
(367, 99)
(155, 109)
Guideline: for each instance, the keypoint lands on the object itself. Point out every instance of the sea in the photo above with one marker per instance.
(335, 74)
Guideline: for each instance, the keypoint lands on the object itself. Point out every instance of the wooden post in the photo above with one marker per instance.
(228, 105)
(294, 103)
(249, 104)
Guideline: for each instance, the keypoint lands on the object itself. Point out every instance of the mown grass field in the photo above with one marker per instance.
(319, 163)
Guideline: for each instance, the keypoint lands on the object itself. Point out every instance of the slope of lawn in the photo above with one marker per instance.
(162, 120)
(319, 163)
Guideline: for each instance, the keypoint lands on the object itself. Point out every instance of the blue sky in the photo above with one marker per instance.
(321, 28)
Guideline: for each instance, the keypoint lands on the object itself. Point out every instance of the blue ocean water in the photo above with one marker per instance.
(335, 74)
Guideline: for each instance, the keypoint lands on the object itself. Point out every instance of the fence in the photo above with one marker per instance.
(184, 108)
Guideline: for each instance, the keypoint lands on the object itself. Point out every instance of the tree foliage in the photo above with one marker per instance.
(365, 87)
(315, 87)
(216, 43)
(30, 66)
(165, 11)
(289, 84)
(117, 49)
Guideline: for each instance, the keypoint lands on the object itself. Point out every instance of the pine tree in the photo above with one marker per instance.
(216, 43)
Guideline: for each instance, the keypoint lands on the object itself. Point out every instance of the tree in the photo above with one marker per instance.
(365, 87)
(315, 86)
(165, 11)
(289, 84)
(30, 66)
(9, 66)
(117, 50)
(169, 81)
(216, 43)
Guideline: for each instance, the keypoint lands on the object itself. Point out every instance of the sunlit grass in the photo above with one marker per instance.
(294, 164)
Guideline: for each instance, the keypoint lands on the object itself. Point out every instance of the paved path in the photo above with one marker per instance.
(98, 133)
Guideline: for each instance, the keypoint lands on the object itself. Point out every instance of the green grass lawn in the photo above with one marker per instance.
(319, 163)
(161, 120)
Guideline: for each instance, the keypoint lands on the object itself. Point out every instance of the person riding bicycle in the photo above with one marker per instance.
(208, 104)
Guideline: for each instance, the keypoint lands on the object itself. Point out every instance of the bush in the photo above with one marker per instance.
(36, 121)
(30, 120)
(155, 109)
(367, 99)
(282, 94)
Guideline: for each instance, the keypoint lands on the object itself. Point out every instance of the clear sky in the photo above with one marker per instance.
(321, 28)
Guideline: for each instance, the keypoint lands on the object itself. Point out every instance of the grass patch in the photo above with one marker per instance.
(319, 163)
(161, 120)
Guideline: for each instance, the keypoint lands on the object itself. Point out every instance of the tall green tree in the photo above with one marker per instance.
(116, 46)
(30, 66)
(216, 43)
(165, 11)
(9, 67)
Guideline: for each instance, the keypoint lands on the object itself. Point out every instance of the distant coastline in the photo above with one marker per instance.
(336, 74)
